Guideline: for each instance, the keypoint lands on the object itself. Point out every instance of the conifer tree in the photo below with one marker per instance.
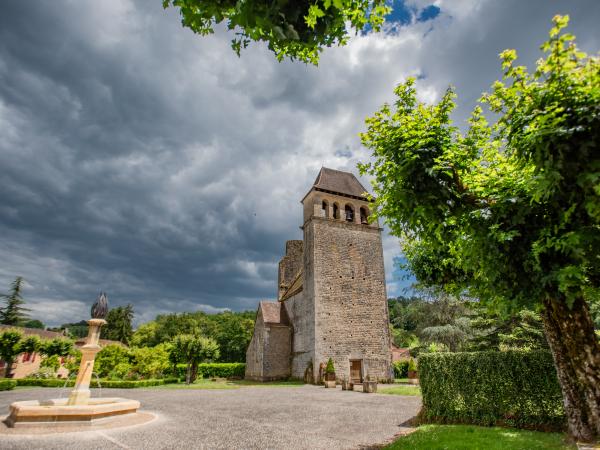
(14, 313)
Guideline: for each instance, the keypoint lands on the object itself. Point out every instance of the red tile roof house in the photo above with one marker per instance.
(400, 354)
(29, 363)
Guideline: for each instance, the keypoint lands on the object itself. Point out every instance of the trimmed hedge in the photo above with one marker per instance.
(7, 385)
(400, 369)
(123, 384)
(514, 388)
(215, 370)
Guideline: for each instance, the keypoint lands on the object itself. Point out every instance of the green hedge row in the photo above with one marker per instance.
(514, 388)
(215, 370)
(7, 385)
(125, 384)
(400, 369)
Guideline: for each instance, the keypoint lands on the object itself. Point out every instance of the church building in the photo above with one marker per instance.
(332, 299)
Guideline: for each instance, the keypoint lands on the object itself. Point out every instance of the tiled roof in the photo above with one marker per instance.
(339, 182)
(44, 334)
(399, 353)
(273, 313)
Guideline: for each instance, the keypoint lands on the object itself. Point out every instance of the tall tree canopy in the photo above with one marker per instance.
(508, 212)
(118, 327)
(231, 330)
(14, 313)
(293, 29)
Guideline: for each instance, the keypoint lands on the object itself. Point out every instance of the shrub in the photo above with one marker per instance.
(215, 370)
(330, 368)
(120, 371)
(400, 369)
(515, 388)
(7, 385)
(150, 362)
(51, 362)
(109, 358)
(44, 372)
(127, 384)
(412, 365)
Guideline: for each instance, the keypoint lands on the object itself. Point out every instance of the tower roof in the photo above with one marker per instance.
(338, 182)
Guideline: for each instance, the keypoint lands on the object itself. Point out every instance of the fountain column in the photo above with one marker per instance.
(81, 394)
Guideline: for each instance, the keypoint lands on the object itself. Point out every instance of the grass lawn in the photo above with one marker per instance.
(401, 380)
(470, 437)
(398, 389)
(221, 383)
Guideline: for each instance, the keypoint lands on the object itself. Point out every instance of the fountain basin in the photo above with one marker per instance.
(56, 410)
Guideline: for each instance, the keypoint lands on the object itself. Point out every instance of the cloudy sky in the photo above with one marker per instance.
(140, 159)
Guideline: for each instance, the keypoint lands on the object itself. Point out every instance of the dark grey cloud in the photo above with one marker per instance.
(143, 160)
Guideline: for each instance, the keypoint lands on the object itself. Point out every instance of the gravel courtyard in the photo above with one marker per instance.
(302, 417)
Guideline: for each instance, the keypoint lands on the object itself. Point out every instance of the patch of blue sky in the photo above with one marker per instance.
(406, 14)
(404, 279)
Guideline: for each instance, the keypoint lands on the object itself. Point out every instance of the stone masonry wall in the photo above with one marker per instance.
(351, 316)
(254, 354)
(277, 348)
(300, 311)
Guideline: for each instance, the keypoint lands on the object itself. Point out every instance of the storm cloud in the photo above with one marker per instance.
(141, 159)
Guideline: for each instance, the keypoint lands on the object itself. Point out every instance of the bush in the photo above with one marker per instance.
(51, 362)
(514, 388)
(215, 370)
(330, 368)
(120, 371)
(109, 358)
(44, 372)
(7, 385)
(400, 369)
(94, 383)
(150, 362)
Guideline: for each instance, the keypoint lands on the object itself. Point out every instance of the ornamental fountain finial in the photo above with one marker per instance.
(100, 307)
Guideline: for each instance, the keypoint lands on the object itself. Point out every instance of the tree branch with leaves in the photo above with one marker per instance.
(507, 212)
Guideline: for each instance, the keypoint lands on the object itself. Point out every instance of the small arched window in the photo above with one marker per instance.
(336, 211)
(325, 208)
(364, 215)
(349, 213)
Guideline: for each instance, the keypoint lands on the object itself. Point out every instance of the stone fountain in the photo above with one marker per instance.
(79, 408)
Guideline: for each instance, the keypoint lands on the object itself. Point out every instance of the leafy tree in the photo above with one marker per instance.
(52, 362)
(118, 327)
(231, 330)
(298, 29)
(145, 335)
(30, 344)
(109, 358)
(508, 213)
(192, 350)
(75, 329)
(233, 335)
(150, 362)
(34, 323)
(10, 348)
(494, 331)
(14, 313)
(454, 336)
(59, 346)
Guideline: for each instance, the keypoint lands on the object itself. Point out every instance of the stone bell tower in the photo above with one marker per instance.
(344, 278)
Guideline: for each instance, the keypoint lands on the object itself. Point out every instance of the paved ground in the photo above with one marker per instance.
(305, 417)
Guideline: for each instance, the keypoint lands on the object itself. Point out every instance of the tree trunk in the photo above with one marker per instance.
(8, 370)
(188, 373)
(576, 353)
(194, 371)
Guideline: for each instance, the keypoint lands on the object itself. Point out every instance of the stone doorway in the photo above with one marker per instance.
(356, 371)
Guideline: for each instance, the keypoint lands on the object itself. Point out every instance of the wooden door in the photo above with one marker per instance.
(356, 371)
